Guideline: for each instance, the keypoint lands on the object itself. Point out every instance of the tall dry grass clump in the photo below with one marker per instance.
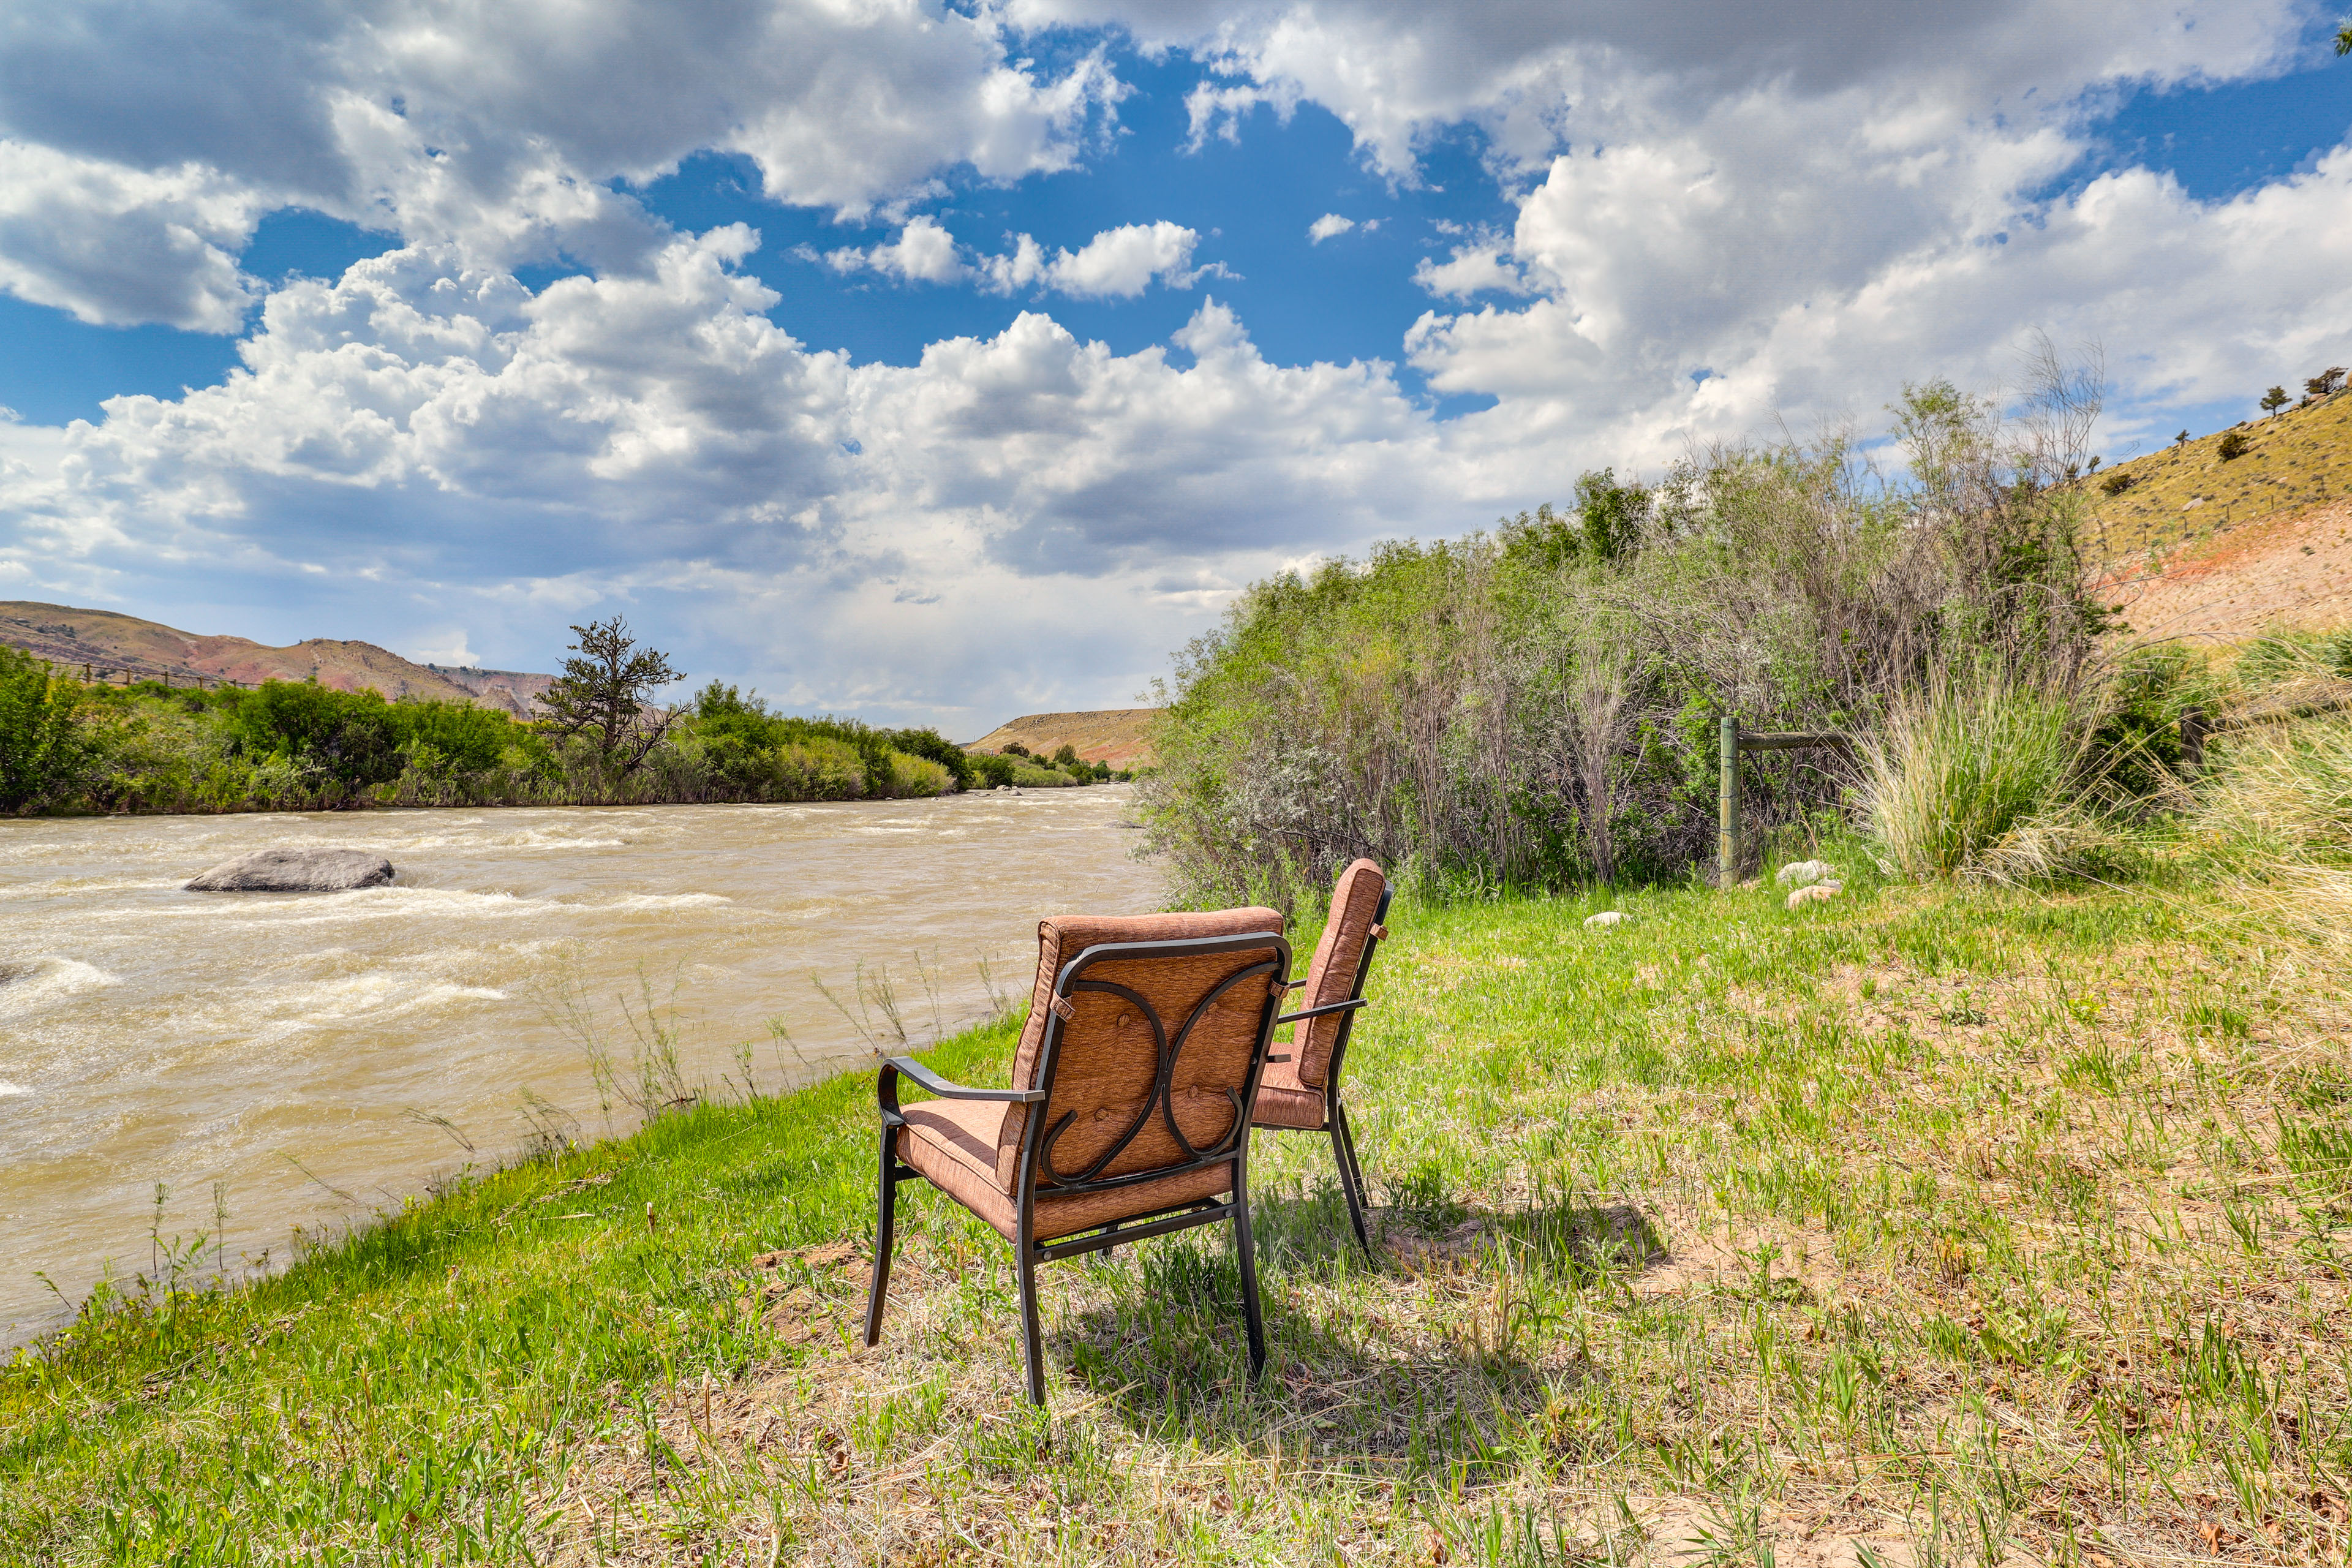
(2271, 823)
(1984, 773)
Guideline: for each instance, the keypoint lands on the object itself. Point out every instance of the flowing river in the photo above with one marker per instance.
(296, 1061)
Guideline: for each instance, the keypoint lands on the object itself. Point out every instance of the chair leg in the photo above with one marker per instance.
(1032, 1335)
(885, 1221)
(1351, 1174)
(1246, 1251)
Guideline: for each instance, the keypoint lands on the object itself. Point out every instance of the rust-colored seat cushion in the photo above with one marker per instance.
(1331, 977)
(950, 1142)
(1288, 1105)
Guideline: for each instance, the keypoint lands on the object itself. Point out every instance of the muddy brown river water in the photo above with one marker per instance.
(296, 1050)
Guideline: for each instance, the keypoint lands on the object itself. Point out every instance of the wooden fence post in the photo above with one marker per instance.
(1726, 807)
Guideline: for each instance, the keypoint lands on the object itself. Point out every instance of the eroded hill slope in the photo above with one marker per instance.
(2198, 545)
(109, 644)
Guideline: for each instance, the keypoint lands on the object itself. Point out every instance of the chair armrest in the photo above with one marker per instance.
(1347, 1006)
(885, 1086)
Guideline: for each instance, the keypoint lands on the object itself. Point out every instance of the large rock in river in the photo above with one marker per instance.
(295, 871)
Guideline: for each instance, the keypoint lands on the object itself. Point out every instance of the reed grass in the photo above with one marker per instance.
(1969, 773)
(1931, 1225)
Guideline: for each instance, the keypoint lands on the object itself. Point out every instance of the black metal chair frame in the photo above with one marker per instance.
(1335, 1115)
(1036, 1171)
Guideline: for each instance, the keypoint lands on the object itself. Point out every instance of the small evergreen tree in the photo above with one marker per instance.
(2276, 399)
(605, 693)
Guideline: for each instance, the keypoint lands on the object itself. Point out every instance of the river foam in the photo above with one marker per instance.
(48, 980)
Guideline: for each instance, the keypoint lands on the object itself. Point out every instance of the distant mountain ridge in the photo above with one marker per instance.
(104, 641)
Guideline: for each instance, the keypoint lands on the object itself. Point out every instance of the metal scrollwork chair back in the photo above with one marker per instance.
(1129, 1110)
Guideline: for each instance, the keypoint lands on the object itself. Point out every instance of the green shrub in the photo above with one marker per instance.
(46, 743)
(918, 778)
(2136, 746)
(817, 768)
(350, 738)
(466, 738)
(2234, 444)
(930, 744)
(991, 769)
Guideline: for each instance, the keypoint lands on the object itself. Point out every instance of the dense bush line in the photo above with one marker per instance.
(1538, 705)
(68, 746)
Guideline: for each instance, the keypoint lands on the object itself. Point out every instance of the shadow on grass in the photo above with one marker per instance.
(1450, 1354)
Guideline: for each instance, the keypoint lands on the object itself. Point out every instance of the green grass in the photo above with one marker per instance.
(1947, 1225)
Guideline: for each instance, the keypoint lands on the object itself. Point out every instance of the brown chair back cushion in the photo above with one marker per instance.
(1108, 1060)
(1331, 977)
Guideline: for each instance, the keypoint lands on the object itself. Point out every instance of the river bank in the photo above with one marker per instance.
(1940, 1226)
(531, 973)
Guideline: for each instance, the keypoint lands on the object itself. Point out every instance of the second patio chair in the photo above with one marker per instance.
(1129, 1109)
(1301, 1094)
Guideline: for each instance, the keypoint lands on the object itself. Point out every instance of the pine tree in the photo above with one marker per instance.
(605, 692)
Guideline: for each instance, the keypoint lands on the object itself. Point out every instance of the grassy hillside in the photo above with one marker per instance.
(1118, 736)
(1920, 1227)
(104, 641)
(2299, 459)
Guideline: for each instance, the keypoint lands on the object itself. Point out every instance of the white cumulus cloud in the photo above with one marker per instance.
(1331, 226)
(143, 142)
(1809, 203)
(923, 252)
(1117, 263)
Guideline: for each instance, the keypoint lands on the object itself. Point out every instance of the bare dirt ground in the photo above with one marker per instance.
(2288, 570)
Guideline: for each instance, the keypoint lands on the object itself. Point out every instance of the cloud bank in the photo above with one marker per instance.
(1714, 220)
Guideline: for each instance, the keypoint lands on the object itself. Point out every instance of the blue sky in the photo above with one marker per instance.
(442, 340)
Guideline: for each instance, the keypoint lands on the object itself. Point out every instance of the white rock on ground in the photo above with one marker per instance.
(296, 871)
(1818, 893)
(1805, 873)
(1607, 918)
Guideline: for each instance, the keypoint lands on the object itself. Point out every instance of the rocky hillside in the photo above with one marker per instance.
(2195, 544)
(1120, 736)
(112, 646)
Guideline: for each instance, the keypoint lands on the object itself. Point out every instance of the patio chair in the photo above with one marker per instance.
(1129, 1109)
(1301, 1091)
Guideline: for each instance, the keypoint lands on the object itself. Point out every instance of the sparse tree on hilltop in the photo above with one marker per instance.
(2275, 399)
(2328, 381)
(605, 692)
(2181, 440)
